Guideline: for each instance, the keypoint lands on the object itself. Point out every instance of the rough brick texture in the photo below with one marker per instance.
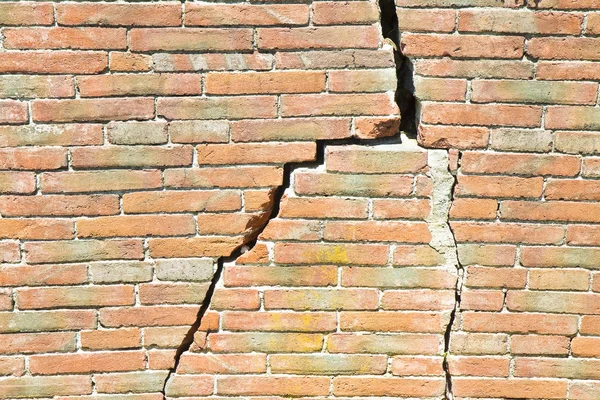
(143, 143)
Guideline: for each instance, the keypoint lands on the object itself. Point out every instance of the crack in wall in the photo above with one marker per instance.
(444, 241)
(444, 183)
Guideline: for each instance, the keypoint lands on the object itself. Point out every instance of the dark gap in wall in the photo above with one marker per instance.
(405, 97)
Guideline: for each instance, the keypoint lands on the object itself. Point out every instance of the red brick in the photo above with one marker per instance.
(550, 211)
(99, 181)
(236, 177)
(51, 135)
(511, 21)
(290, 129)
(388, 185)
(222, 363)
(282, 276)
(473, 208)
(389, 321)
(520, 323)
(568, 70)
(563, 117)
(462, 46)
(401, 208)
(271, 153)
(272, 385)
(87, 362)
(507, 232)
(181, 201)
(59, 205)
(33, 159)
(172, 293)
(535, 92)
(421, 20)
(337, 13)
(26, 14)
(82, 250)
(39, 298)
(300, 253)
(65, 38)
(119, 14)
(36, 228)
(217, 107)
(324, 37)
(291, 230)
(9, 252)
(447, 67)
(126, 338)
(84, 110)
(471, 387)
(29, 386)
(43, 275)
(323, 207)
(55, 62)
(190, 39)
(279, 321)
(482, 114)
(293, 105)
(139, 85)
(245, 14)
(393, 387)
(129, 62)
(572, 48)
(165, 62)
(557, 368)
(13, 112)
(539, 345)
(486, 277)
(453, 136)
(148, 316)
(493, 186)
(264, 82)
(38, 342)
(204, 246)
(418, 300)
(235, 299)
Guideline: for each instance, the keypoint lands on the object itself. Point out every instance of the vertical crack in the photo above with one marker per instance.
(444, 241)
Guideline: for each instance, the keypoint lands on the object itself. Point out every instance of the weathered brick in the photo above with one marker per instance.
(462, 46)
(290, 129)
(523, 21)
(482, 114)
(82, 250)
(47, 321)
(28, 86)
(217, 177)
(40, 386)
(323, 37)
(55, 62)
(242, 153)
(245, 14)
(139, 85)
(51, 135)
(536, 92)
(99, 181)
(572, 48)
(336, 13)
(217, 107)
(65, 38)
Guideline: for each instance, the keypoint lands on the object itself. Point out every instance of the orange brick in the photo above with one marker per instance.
(13, 112)
(486, 277)
(148, 316)
(475, 68)
(235, 299)
(99, 181)
(46, 386)
(328, 364)
(494, 186)
(279, 321)
(572, 48)
(293, 105)
(129, 62)
(404, 343)
(323, 299)
(375, 231)
(237, 107)
(143, 225)
(290, 129)
(422, 20)
(461, 137)
(479, 366)
(419, 300)
(417, 366)
(323, 207)
(205, 246)
(360, 185)
(282, 276)
(43, 275)
(36, 228)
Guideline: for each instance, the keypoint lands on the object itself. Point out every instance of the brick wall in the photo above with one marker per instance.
(212, 200)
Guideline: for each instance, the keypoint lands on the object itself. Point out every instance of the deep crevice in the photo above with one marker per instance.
(405, 90)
